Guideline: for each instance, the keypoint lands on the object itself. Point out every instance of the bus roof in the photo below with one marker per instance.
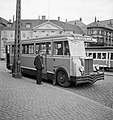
(78, 37)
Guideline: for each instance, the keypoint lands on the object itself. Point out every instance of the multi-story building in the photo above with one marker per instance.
(3, 23)
(38, 28)
(102, 31)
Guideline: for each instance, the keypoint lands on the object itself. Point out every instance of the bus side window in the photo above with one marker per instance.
(12, 48)
(108, 56)
(45, 48)
(41, 47)
(94, 55)
(58, 48)
(28, 49)
(86, 54)
(90, 54)
(66, 48)
(98, 55)
(111, 56)
(48, 46)
(103, 55)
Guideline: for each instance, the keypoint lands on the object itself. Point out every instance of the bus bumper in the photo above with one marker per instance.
(90, 78)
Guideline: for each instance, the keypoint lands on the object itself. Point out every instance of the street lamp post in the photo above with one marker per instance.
(16, 67)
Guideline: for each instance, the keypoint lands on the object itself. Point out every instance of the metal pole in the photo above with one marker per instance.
(16, 68)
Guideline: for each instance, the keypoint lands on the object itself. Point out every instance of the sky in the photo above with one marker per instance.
(65, 9)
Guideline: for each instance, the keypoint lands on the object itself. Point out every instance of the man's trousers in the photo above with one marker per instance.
(38, 76)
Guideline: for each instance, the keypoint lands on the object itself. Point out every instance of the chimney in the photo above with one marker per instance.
(80, 19)
(58, 18)
(95, 19)
(9, 24)
(39, 17)
(9, 20)
(43, 17)
(75, 22)
(13, 18)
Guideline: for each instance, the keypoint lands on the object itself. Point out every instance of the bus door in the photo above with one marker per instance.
(61, 55)
(111, 60)
(57, 54)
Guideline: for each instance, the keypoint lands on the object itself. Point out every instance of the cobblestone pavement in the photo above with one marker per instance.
(101, 91)
(22, 99)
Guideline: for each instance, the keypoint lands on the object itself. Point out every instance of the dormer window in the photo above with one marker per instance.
(28, 25)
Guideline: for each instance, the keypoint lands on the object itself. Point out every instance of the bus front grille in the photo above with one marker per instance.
(88, 65)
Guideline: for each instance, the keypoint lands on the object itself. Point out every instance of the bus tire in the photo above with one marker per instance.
(62, 79)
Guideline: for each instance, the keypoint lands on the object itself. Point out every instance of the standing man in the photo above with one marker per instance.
(38, 63)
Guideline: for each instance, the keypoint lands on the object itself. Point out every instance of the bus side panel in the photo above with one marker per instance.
(27, 61)
(66, 65)
(57, 62)
(62, 62)
(111, 63)
(27, 65)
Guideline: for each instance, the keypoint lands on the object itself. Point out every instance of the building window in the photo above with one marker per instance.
(4, 34)
(23, 35)
(30, 34)
(99, 32)
(52, 31)
(11, 34)
(94, 32)
(28, 25)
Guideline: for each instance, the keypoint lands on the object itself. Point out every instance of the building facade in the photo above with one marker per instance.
(102, 31)
(38, 28)
(3, 23)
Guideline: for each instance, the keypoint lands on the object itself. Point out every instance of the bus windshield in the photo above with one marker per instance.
(77, 48)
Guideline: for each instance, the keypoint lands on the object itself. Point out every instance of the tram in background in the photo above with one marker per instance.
(65, 68)
(102, 56)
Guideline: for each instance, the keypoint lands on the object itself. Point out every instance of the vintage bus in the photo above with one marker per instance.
(63, 66)
(102, 56)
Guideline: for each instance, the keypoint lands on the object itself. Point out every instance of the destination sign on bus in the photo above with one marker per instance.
(84, 38)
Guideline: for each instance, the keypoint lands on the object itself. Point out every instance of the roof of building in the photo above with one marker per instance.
(108, 24)
(3, 21)
(36, 22)
(80, 24)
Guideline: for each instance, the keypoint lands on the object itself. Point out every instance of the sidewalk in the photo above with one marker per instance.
(22, 99)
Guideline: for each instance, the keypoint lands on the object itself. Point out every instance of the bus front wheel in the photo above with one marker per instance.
(62, 79)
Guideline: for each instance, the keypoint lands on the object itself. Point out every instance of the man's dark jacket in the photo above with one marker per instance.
(38, 62)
